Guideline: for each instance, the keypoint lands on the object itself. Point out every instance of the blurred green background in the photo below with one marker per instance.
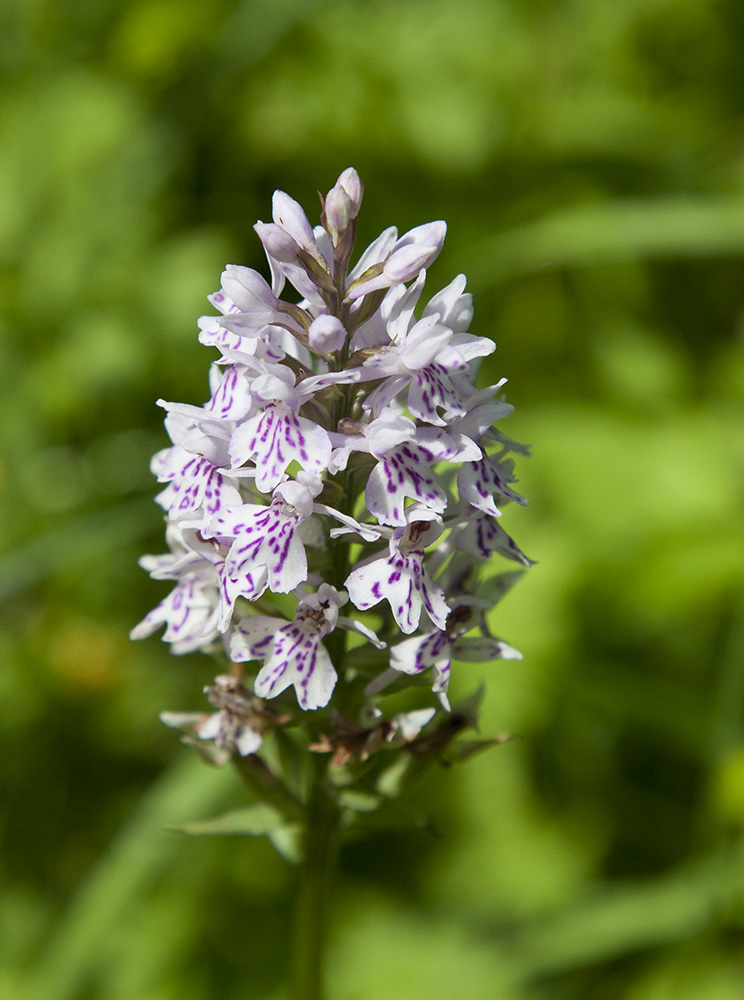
(589, 159)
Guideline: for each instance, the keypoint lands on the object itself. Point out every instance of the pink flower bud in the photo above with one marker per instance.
(327, 334)
(415, 250)
(338, 210)
(352, 185)
(407, 262)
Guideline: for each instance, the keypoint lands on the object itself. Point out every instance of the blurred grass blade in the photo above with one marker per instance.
(613, 231)
(74, 541)
(625, 919)
(140, 854)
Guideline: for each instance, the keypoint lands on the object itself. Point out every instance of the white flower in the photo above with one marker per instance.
(400, 577)
(237, 724)
(436, 650)
(226, 729)
(265, 549)
(403, 469)
(296, 655)
(189, 613)
(403, 261)
(278, 435)
(479, 483)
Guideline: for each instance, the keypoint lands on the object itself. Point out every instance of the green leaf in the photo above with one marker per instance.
(287, 839)
(258, 820)
(465, 749)
(392, 782)
(359, 801)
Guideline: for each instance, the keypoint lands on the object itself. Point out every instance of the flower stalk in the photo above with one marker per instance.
(314, 891)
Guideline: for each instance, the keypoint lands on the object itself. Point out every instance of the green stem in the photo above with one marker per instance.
(314, 892)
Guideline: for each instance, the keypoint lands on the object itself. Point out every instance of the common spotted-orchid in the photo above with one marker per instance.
(332, 512)
(345, 460)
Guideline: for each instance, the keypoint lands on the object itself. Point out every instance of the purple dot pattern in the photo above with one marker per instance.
(482, 536)
(403, 473)
(402, 580)
(265, 552)
(299, 658)
(188, 612)
(231, 400)
(275, 438)
(268, 347)
(430, 390)
(431, 651)
(193, 483)
(480, 482)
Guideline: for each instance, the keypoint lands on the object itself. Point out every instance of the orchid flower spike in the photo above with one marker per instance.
(333, 509)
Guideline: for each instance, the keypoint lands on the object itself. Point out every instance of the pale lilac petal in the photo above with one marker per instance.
(289, 214)
(375, 253)
(401, 579)
(409, 724)
(277, 242)
(251, 637)
(431, 390)
(415, 655)
(424, 341)
(193, 483)
(227, 730)
(265, 548)
(189, 613)
(453, 305)
(297, 656)
(250, 293)
(247, 741)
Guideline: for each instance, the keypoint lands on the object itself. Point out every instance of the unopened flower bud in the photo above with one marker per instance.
(343, 201)
(350, 181)
(338, 211)
(327, 334)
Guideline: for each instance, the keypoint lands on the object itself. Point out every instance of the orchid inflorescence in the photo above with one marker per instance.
(344, 462)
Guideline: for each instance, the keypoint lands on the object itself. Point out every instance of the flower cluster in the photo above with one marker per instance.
(346, 459)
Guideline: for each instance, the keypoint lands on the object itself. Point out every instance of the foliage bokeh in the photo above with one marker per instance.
(589, 159)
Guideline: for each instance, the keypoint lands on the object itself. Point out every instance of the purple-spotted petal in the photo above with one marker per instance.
(480, 482)
(403, 473)
(274, 438)
(401, 579)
